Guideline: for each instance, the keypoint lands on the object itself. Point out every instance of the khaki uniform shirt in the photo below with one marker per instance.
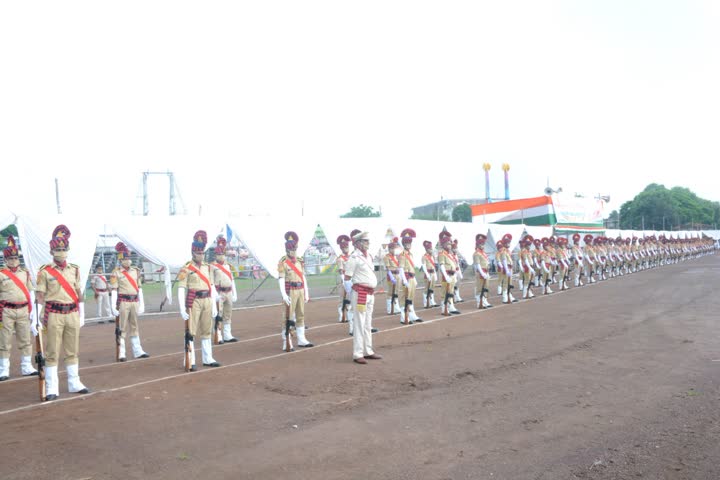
(190, 280)
(447, 259)
(119, 281)
(54, 292)
(9, 291)
(221, 279)
(406, 262)
(286, 272)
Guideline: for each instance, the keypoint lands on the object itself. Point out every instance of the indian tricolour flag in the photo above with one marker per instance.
(536, 211)
(566, 214)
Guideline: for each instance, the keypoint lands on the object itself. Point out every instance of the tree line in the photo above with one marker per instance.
(659, 208)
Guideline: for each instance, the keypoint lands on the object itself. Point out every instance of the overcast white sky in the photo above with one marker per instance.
(268, 106)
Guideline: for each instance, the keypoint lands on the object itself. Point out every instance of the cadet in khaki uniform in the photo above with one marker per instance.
(392, 277)
(546, 266)
(407, 277)
(527, 266)
(459, 274)
(429, 269)
(100, 287)
(448, 268)
(499, 266)
(563, 260)
(589, 256)
(481, 265)
(293, 288)
(127, 301)
(537, 257)
(345, 304)
(506, 261)
(17, 300)
(225, 287)
(577, 259)
(196, 299)
(59, 292)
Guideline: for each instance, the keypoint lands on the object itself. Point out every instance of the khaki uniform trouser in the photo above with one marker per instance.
(225, 307)
(448, 289)
(343, 295)
(392, 287)
(297, 307)
(501, 278)
(527, 276)
(63, 332)
(481, 283)
(128, 319)
(201, 318)
(407, 293)
(15, 319)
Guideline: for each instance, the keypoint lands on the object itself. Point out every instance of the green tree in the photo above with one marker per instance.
(462, 213)
(612, 221)
(361, 211)
(657, 208)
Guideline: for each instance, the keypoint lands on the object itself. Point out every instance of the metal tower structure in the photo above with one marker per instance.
(174, 193)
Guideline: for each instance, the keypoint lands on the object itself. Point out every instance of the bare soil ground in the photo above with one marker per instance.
(616, 380)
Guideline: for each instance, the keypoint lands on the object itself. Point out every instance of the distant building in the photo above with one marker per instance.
(445, 207)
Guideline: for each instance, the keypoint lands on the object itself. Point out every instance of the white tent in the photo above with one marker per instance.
(264, 237)
(35, 239)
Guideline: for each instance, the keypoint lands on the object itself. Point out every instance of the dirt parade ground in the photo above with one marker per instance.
(615, 380)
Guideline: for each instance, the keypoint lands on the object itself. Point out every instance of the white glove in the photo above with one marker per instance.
(444, 273)
(141, 303)
(34, 325)
(391, 277)
(348, 286)
(81, 308)
(434, 277)
(234, 292)
(307, 292)
(214, 294)
(402, 277)
(281, 284)
(459, 274)
(181, 304)
(214, 310)
(113, 302)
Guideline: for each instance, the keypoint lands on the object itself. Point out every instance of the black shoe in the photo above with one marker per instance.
(50, 398)
(418, 320)
(33, 374)
(374, 330)
(455, 312)
(350, 333)
(213, 364)
(83, 391)
(121, 359)
(232, 340)
(193, 368)
(144, 355)
(307, 345)
(2, 379)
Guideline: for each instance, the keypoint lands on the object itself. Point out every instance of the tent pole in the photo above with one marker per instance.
(256, 288)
